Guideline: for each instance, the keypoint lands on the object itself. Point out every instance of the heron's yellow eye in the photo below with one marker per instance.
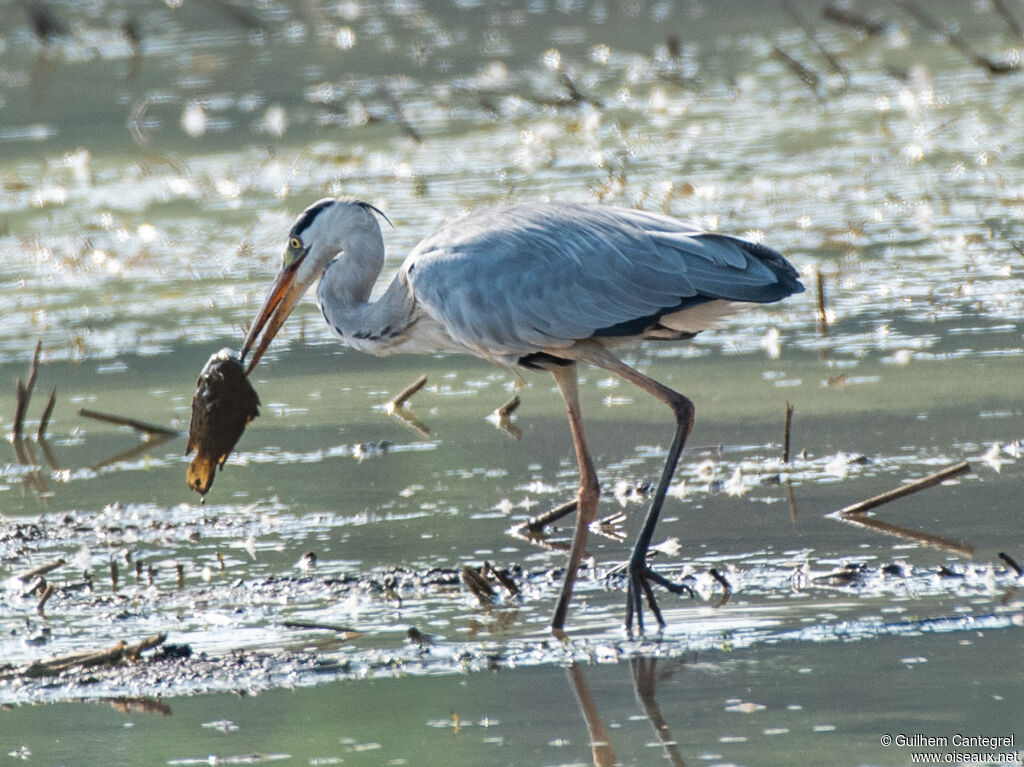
(294, 251)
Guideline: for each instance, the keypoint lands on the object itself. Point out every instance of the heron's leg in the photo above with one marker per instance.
(565, 377)
(640, 574)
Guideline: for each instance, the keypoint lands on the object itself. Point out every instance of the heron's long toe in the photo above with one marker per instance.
(640, 578)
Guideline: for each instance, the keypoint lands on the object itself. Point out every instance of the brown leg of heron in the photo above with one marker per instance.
(640, 574)
(565, 377)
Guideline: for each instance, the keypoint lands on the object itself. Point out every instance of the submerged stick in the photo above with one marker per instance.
(907, 489)
(403, 396)
(148, 428)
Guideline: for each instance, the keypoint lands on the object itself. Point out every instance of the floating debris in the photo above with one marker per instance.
(223, 405)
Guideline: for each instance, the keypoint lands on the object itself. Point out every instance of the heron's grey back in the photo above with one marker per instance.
(515, 279)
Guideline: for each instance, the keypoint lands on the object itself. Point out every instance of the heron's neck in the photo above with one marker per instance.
(343, 295)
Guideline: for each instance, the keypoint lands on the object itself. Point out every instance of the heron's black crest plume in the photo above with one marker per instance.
(306, 219)
(375, 209)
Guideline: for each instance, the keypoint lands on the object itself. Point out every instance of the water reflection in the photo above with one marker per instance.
(646, 677)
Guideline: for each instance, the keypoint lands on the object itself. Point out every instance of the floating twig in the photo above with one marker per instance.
(148, 428)
(955, 41)
(786, 433)
(502, 418)
(35, 572)
(82, 660)
(538, 523)
(911, 487)
(509, 407)
(348, 631)
(47, 412)
(403, 396)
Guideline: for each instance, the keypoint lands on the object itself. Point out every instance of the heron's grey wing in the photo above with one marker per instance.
(517, 279)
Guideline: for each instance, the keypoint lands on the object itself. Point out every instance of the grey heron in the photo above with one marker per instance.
(541, 286)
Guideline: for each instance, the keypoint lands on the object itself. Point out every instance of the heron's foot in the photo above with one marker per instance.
(641, 576)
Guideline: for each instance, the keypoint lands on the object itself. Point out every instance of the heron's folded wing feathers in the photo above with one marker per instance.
(516, 279)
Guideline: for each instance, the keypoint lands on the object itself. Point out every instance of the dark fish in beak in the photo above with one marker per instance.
(223, 405)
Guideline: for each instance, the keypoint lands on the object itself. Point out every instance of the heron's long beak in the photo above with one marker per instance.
(284, 294)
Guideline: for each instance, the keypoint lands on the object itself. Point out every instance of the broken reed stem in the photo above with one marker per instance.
(404, 395)
(786, 433)
(502, 578)
(1012, 563)
(907, 489)
(819, 285)
(44, 597)
(24, 393)
(477, 584)
(47, 412)
(142, 426)
(509, 407)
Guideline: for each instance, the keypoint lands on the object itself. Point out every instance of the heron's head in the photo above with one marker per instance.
(321, 233)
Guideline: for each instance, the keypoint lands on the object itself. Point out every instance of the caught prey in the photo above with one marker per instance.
(223, 405)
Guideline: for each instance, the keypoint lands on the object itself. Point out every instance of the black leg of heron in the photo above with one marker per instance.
(565, 377)
(640, 574)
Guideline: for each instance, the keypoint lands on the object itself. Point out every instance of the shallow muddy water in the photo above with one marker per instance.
(147, 190)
